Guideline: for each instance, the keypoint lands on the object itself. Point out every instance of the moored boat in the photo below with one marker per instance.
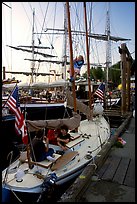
(83, 147)
(89, 136)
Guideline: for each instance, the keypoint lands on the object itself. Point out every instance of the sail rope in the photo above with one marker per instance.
(6, 174)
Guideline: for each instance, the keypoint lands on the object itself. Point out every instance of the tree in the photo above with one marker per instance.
(85, 75)
(115, 73)
(98, 73)
(95, 73)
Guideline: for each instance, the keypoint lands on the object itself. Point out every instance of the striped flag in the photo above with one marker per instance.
(100, 91)
(14, 105)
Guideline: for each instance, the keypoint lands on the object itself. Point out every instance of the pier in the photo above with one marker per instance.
(111, 178)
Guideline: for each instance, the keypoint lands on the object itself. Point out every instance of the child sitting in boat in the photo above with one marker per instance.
(63, 138)
(78, 62)
(40, 148)
(52, 136)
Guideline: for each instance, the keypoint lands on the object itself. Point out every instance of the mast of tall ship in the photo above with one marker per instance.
(32, 63)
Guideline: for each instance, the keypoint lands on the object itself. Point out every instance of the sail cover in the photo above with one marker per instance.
(80, 105)
(72, 123)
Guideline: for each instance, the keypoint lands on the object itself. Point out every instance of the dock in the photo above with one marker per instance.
(111, 178)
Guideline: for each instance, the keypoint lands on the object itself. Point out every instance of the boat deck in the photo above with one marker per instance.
(114, 181)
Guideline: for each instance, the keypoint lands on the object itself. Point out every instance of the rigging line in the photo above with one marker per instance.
(16, 195)
(28, 18)
(45, 24)
(101, 17)
(48, 36)
(6, 59)
(116, 34)
(41, 9)
(53, 27)
(39, 38)
(5, 35)
(90, 20)
(6, 173)
(11, 38)
(49, 40)
(31, 146)
(40, 24)
(30, 6)
(33, 11)
(98, 58)
(76, 9)
(79, 23)
(26, 12)
(44, 18)
(3, 46)
(95, 42)
(54, 24)
(115, 51)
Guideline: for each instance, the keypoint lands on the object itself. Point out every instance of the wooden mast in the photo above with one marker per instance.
(71, 57)
(88, 63)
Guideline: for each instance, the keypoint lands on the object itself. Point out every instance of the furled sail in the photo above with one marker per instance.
(35, 52)
(72, 123)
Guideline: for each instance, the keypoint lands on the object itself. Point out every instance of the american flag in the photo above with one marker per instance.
(14, 105)
(100, 91)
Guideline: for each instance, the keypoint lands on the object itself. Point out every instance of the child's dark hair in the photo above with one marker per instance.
(64, 127)
(40, 133)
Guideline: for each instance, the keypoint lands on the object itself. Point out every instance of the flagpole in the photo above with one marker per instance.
(20, 125)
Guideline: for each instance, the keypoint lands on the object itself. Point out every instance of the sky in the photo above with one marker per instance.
(17, 18)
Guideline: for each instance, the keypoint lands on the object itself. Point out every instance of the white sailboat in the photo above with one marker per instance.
(92, 135)
(27, 176)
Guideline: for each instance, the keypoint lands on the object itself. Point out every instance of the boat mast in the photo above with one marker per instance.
(32, 63)
(71, 56)
(88, 63)
(65, 43)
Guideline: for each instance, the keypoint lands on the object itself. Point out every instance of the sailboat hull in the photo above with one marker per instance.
(92, 135)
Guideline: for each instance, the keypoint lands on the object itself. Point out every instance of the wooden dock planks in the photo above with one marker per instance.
(121, 171)
(109, 173)
(118, 169)
(130, 176)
